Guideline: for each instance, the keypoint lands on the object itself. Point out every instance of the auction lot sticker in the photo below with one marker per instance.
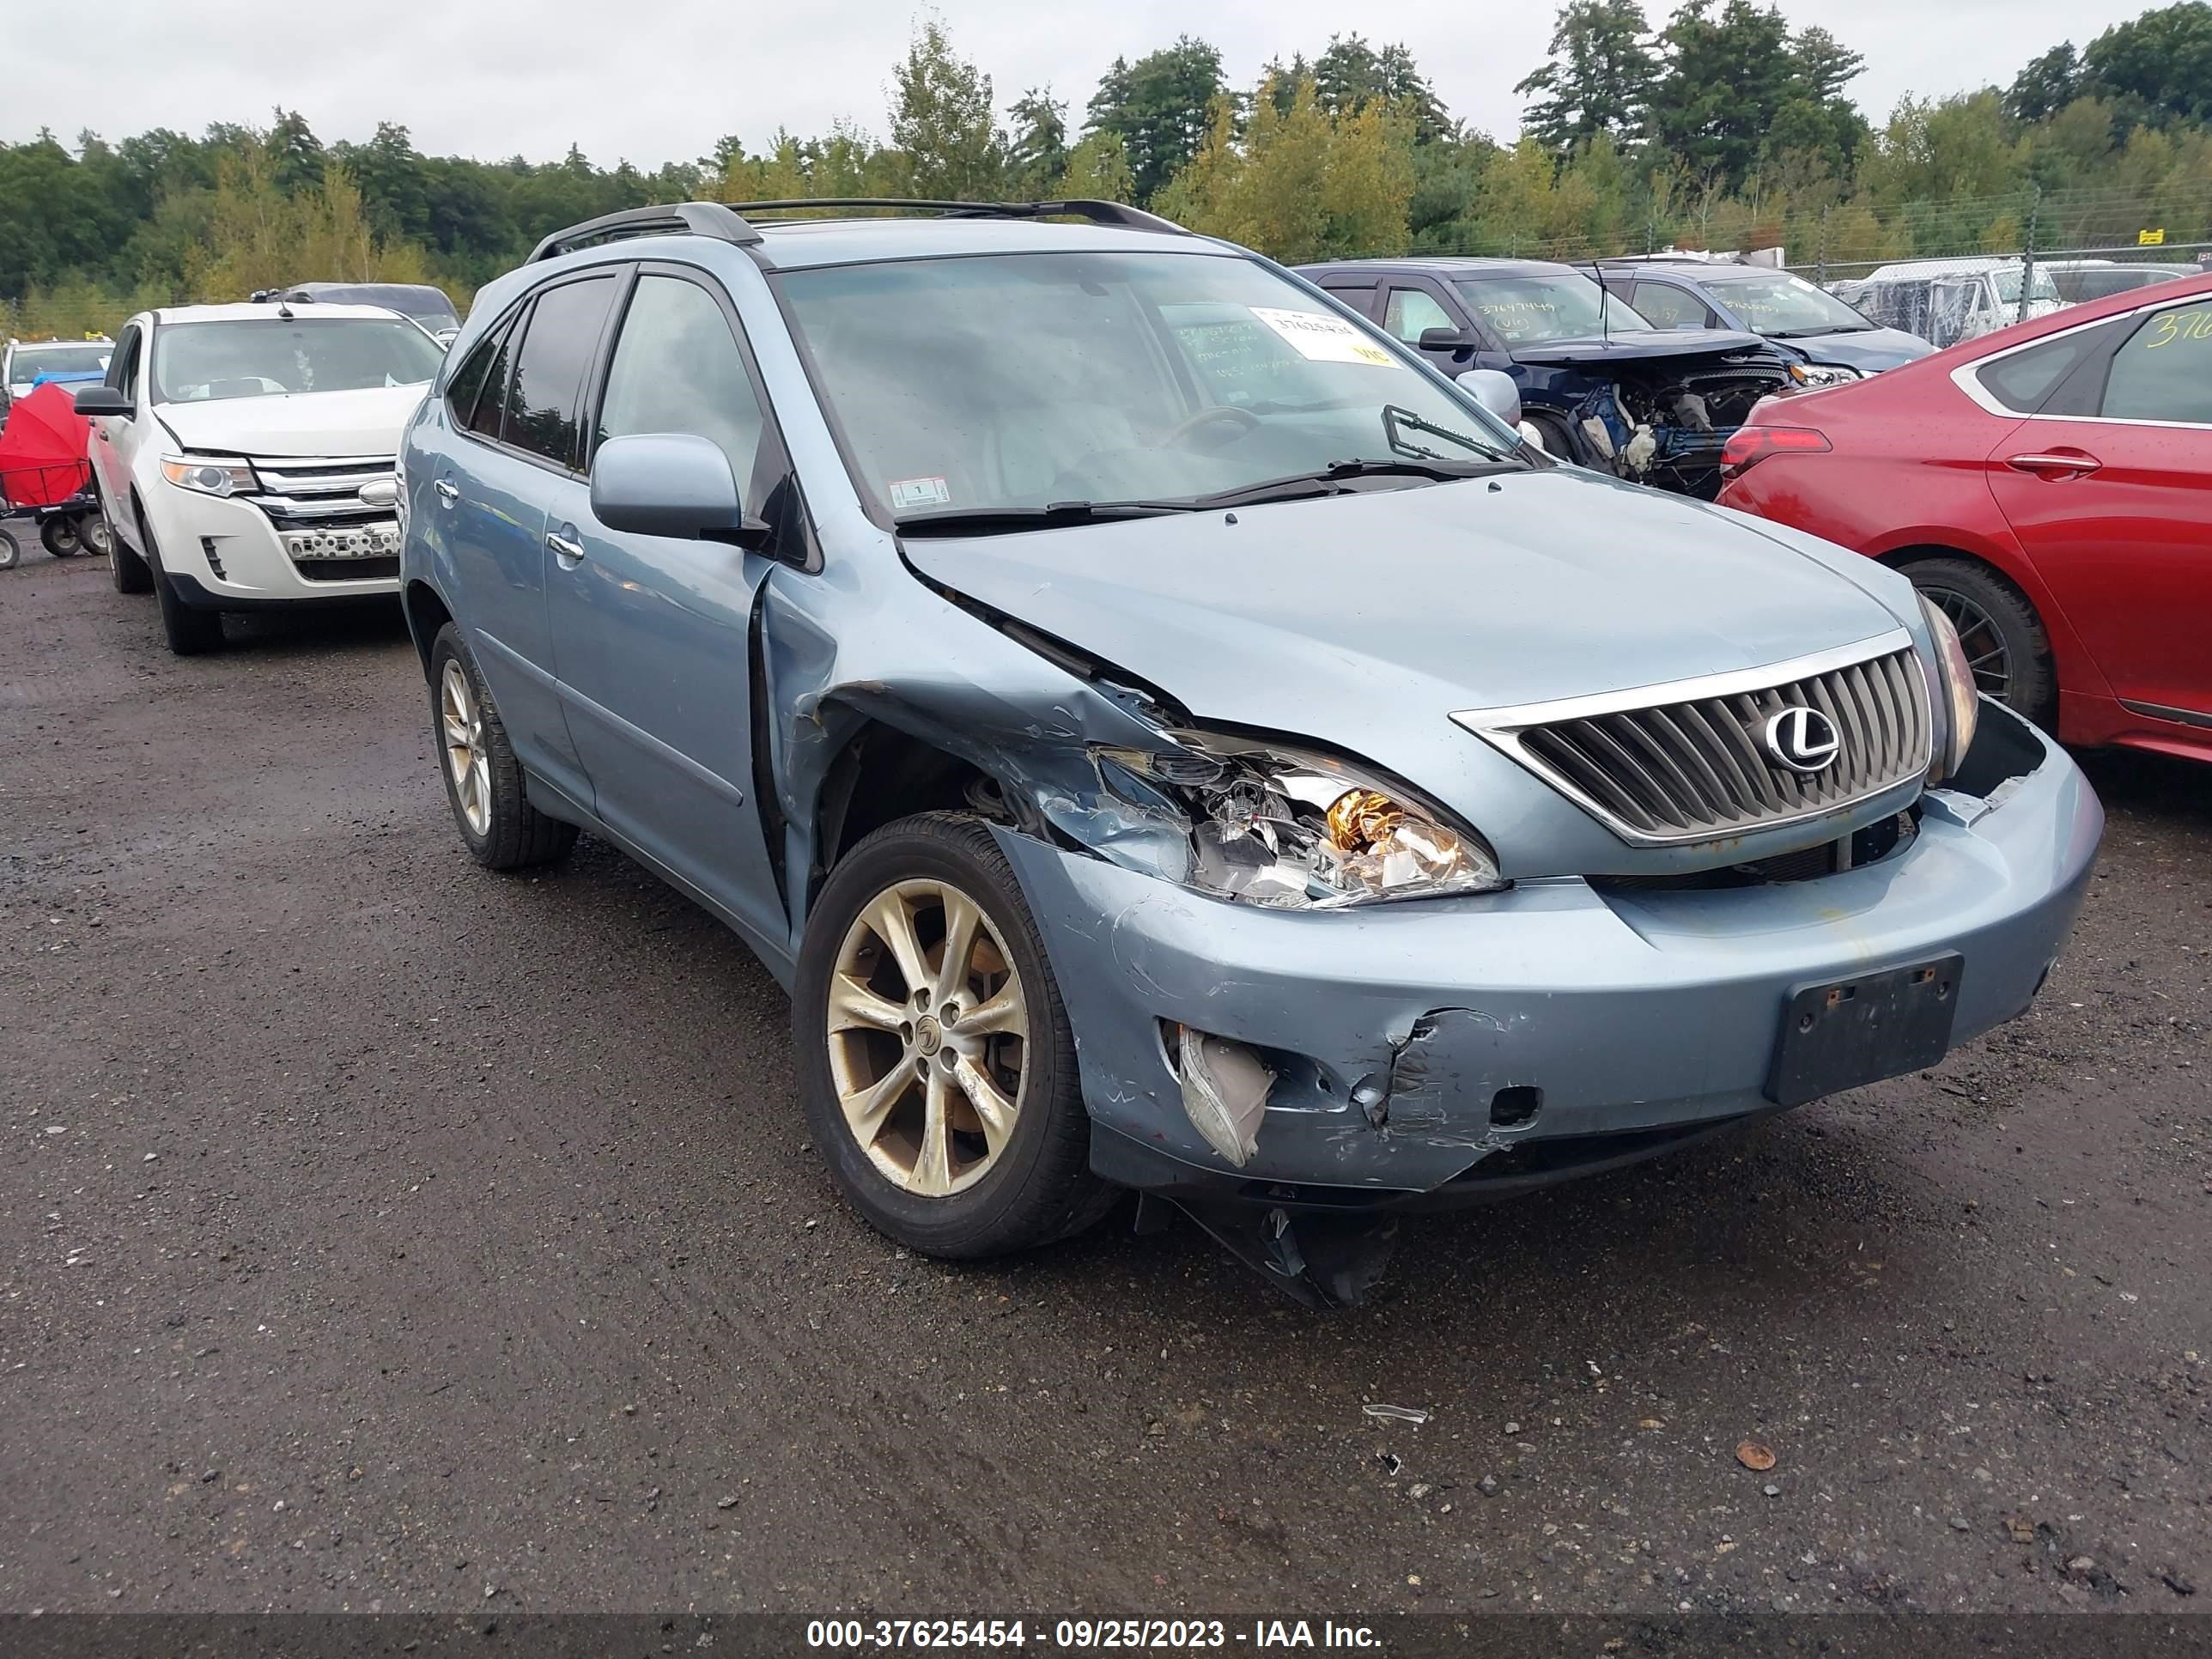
(1323, 338)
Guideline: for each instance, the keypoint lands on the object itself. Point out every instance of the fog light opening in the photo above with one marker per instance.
(1512, 1107)
(1224, 1089)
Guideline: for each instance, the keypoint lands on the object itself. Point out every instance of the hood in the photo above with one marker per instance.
(1319, 618)
(1867, 350)
(321, 423)
(1629, 345)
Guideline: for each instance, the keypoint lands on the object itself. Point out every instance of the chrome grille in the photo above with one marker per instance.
(1689, 762)
(306, 491)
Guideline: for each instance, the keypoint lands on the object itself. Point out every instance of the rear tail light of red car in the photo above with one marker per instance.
(1749, 444)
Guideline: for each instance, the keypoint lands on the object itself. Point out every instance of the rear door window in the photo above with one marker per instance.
(2163, 372)
(560, 343)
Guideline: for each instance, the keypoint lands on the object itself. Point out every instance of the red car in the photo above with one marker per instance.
(2049, 486)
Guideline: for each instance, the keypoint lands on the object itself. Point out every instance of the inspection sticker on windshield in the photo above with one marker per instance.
(909, 493)
(1323, 338)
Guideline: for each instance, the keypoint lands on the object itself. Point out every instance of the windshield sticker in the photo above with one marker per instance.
(908, 493)
(1323, 339)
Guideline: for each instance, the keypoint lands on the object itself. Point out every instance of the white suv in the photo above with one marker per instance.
(243, 455)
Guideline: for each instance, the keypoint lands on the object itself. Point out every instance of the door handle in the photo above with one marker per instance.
(448, 491)
(569, 552)
(2072, 466)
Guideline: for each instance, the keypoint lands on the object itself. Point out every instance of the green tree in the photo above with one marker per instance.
(2045, 86)
(1036, 151)
(2160, 61)
(1299, 184)
(1600, 78)
(1097, 170)
(1160, 107)
(948, 145)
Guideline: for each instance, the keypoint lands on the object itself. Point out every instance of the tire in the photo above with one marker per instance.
(11, 552)
(489, 801)
(96, 533)
(1993, 616)
(61, 538)
(978, 1199)
(190, 630)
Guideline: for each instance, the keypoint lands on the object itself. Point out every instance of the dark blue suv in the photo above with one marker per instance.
(1834, 341)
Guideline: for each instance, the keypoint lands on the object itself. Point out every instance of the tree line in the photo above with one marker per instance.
(1722, 126)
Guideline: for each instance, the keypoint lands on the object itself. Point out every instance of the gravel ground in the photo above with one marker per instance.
(382, 1233)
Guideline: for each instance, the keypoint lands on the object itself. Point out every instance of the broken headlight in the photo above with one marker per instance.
(1959, 693)
(1301, 831)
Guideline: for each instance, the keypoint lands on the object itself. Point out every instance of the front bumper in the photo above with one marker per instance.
(1408, 1039)
(226, 553)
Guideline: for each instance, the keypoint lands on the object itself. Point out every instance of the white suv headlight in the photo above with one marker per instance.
(1966, 702)
(1296, 830)
(209, 477)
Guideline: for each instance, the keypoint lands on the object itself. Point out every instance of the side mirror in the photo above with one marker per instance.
(1495, 390)
(671, 484)
(94, 401)
(1443, 339)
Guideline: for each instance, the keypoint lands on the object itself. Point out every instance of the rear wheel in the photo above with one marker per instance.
(190, 630)
(2004, 638)
(937, 1062)
(483, 781)
(11, 552)
(61, 538)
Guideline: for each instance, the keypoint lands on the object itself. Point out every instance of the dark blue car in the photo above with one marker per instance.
(1600, 385)
(1834, 342)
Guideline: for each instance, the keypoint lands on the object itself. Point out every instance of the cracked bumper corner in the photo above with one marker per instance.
(1410, 1040)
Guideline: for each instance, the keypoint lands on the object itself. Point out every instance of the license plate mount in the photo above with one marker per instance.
(1843, 1033)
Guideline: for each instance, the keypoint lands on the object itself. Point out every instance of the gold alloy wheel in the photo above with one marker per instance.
(461, 727)
(928, 1034)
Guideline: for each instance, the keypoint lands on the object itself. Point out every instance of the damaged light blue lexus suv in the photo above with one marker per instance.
(1167, 736)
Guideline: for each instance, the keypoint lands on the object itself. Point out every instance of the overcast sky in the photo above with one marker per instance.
(661, 80)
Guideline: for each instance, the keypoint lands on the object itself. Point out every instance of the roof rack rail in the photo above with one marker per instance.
(1099, 213)
(676, 219)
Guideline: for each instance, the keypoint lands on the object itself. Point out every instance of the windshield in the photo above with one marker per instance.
(1775, 302)
(70, 358)
(205, 362)
(1557, 306)
(2008, 282)
(1013, 382)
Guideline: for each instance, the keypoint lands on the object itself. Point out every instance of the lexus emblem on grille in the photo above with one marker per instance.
(1803, 740)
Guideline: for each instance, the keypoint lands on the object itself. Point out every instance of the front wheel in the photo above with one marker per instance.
(11, 552)
(936, 1060)
(483, 781)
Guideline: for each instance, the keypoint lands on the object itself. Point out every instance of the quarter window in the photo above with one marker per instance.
(468, 381)
(677, 368)
(2023, 380)
(483, 419)
(559, 342)
(1410, 311)
(2164, 370)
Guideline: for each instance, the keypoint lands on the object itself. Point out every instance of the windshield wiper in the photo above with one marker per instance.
(1331, 480)
(1397, 422)
(995, 520)
(1807, 333)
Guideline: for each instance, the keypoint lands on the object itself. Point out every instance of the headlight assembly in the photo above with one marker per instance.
(1294, 830)
(1812, 375)
(209, 477)
(1965, 701)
